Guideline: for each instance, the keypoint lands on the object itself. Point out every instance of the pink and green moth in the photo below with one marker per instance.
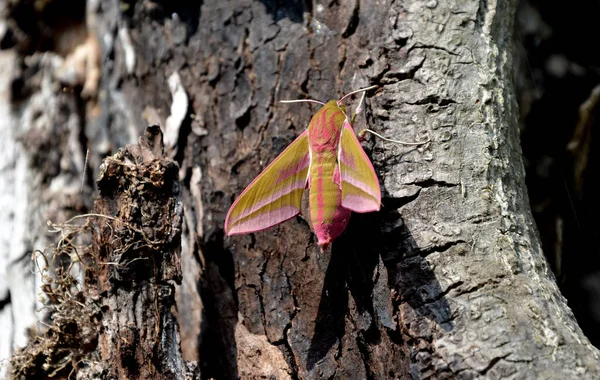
(328, 160)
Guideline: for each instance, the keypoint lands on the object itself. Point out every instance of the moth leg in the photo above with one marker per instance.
(358, 108)
(362, 135)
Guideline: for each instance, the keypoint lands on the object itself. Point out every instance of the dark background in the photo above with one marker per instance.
(557, 60)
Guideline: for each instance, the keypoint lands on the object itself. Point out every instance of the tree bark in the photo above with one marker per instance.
(447, 280)
(41, 162)
(140, 197)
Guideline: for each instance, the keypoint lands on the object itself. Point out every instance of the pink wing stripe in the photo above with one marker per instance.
(357, 203)
(347, 160)
(291, 171)
(346, 177)
(260, 204)
(264, 221)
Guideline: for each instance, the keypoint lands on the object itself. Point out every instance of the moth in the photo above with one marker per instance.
(328, 161)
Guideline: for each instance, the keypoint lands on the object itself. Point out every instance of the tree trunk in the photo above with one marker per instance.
(447, 280)
(140, 194)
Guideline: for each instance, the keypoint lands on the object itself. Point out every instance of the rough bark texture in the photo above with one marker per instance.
(42, 156)
(141, 241)
(119, 323)
(448, 280)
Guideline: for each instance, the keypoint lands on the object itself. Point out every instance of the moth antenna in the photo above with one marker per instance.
(354, 92)
(392, 140)
(302, 101)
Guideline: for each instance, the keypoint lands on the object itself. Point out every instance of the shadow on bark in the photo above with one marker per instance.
(218, 348)
(355, 268)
